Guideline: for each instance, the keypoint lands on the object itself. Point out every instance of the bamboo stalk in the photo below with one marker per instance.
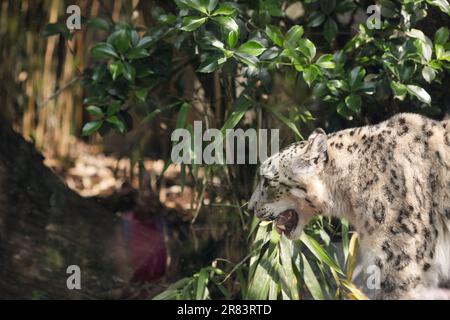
(48, 81)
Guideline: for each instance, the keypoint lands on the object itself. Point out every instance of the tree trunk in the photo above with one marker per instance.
(45, 227)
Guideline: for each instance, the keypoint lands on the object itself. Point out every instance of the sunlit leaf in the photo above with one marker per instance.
(252, 47)
(227, 22)
(352, 256)
(91, 127)
(95, 111)
(311, 281)
(274, 33)
(419, 92)
(104, 50)
(319, 252)
(192, 23)
(288, 278)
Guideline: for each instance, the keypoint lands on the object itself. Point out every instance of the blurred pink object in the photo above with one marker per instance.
(145, 246)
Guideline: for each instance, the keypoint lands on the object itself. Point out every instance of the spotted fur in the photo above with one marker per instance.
(391, 181)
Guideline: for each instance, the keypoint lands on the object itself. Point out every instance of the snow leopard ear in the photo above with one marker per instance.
(317, 146)
(270, 167)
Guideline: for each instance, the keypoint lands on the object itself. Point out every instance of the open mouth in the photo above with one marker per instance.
(286, 222)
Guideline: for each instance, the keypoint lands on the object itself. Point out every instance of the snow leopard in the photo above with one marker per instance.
(391, 181)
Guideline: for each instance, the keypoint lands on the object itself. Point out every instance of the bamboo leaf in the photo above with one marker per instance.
(311, 281)
(201, 284)
(355, 293)
(288, 122)
(264, 279)
(352, 256)
(288, 278)
(320, 253)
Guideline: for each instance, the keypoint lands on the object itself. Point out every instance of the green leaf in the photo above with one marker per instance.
(311, 281)
(426, 44)
(288, 279)
(327, 6)
(320, 253)
(356, 77)
(288, 122)
(157, 111)
(117, 123)
(95, 111)
(367, 87)
(172, 291)
(310, 74)
(141, 94)
(121, 40)
(113, 108)
(129, 72)
(211, 64)
(103, 50)
(326, 61)
(145, 42)
(98, 23)
(441, 4)
(209, 40)
(330, 30)
(440, 51)
(264, 278)
(233, 38)
(227, 22)
(181, 123)
(116, 69)
(134, 35)
(91, 127)
(51, 29)
(345, 237)
(293, 36)
(169, 19)
(354, 102)
(224, 9)
(249, 60)
(137, 53)
(192, 23)
(182, 114)
(201, 284)
(242, 104)
(274, 33)
(143, 72)
(200, 6)
(352, 256)
(212, 4)
(445, 56)
(441, 36)
(344, 111)
(316, 19)
(419, 92)
(399, 90)
(307, 48)
(252, 47)
(428, 74)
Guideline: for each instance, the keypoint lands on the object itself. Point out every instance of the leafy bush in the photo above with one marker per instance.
(336, 66)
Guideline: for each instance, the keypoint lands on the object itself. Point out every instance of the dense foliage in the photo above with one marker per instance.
(337, 69)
